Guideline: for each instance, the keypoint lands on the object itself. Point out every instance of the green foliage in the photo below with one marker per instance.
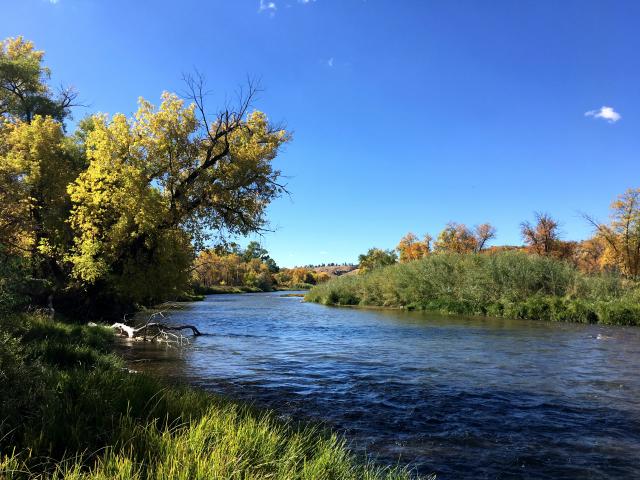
(221, 289)
(24, 92)
(86, 417)
(507, 284)
(13, 276)
(376, 258)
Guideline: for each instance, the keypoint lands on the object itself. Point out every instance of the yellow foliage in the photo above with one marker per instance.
(411, 248)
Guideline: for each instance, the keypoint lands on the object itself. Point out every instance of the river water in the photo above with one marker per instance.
(460, 397)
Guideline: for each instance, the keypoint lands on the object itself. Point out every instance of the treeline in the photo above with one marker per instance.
(614, 246)
(595, 280)
(112, 214)
(216, 270)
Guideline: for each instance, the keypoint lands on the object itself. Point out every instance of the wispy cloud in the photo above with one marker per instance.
(330, 63)
(606, 113)
(306, 1)
(53, 2)
(267, 6)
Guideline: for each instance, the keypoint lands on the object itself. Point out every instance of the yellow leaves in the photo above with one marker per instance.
(112, 205)
(33, 147)
(622, 236)
(17, 48)
(456, 238)
(35, 168)
(149, 174)
(411, 248)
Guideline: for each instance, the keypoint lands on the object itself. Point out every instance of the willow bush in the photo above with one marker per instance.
(506, 284)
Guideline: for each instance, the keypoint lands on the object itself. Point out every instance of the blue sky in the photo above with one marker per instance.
(406, 114)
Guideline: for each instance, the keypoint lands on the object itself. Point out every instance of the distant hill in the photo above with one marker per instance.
(337, 270)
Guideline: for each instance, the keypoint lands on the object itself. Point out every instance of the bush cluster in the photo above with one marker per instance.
(505, 284)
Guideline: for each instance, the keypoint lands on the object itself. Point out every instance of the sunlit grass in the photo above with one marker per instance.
(70, 410)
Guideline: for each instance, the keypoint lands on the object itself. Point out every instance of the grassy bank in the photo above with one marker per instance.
(69, 409)
(220, 289)
(507, 284)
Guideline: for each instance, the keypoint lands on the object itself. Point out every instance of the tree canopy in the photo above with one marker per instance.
(376, 258)
(124, 202)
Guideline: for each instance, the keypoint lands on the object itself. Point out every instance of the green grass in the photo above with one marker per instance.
(70, 410)
(220, 289)
(507, 284)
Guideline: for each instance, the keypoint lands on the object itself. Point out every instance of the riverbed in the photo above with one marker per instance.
(460, 397)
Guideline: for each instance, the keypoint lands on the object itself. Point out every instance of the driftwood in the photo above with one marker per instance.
(156, 331)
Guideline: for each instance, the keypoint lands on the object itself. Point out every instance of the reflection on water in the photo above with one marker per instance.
(465, 398)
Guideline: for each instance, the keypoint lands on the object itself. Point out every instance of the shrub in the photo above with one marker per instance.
(506, 284)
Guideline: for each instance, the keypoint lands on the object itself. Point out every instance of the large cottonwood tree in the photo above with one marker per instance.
(122, 203)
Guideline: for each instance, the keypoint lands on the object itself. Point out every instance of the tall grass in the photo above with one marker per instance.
(70, 410)
(507, 284)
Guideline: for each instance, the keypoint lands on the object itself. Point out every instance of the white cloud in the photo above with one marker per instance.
(53, 2)
(306, 1)
(606, 113)
(267, 6)
(330, 62)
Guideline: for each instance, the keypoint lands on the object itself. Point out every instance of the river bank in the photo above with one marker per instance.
(462, 397)
(71, 409)
(508, 285)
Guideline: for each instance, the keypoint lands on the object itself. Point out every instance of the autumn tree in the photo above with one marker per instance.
(411, 247)
(122, 205)
(455, 238)
(621, 236)
(543, 236)
(376, 258)
(37, 161)
(168, 176)
(458, 238)
(213, 268)
(483, 233)
(589, 255)
(24, 93)
(300, 276)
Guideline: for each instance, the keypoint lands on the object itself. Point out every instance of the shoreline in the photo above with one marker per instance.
(71, 392)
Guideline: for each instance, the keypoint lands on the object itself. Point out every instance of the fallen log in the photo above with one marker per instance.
(156, 331)
(132, 332)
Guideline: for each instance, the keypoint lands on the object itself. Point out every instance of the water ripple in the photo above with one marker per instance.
(465, 398)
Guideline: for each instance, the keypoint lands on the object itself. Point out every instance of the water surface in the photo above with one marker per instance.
(464, 398)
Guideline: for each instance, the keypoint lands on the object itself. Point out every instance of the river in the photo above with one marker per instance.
(461, 397)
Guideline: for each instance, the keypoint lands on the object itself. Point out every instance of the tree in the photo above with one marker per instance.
(301, 275)
(24, 92)
(122, 205)
(376, 258)
(411, 248)
(167, 172)
(37, 162)
(543, 236)
(621, 236)
(255, 250)
(36, 165)
(483, 234)
(589, 255)
(455, 238)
